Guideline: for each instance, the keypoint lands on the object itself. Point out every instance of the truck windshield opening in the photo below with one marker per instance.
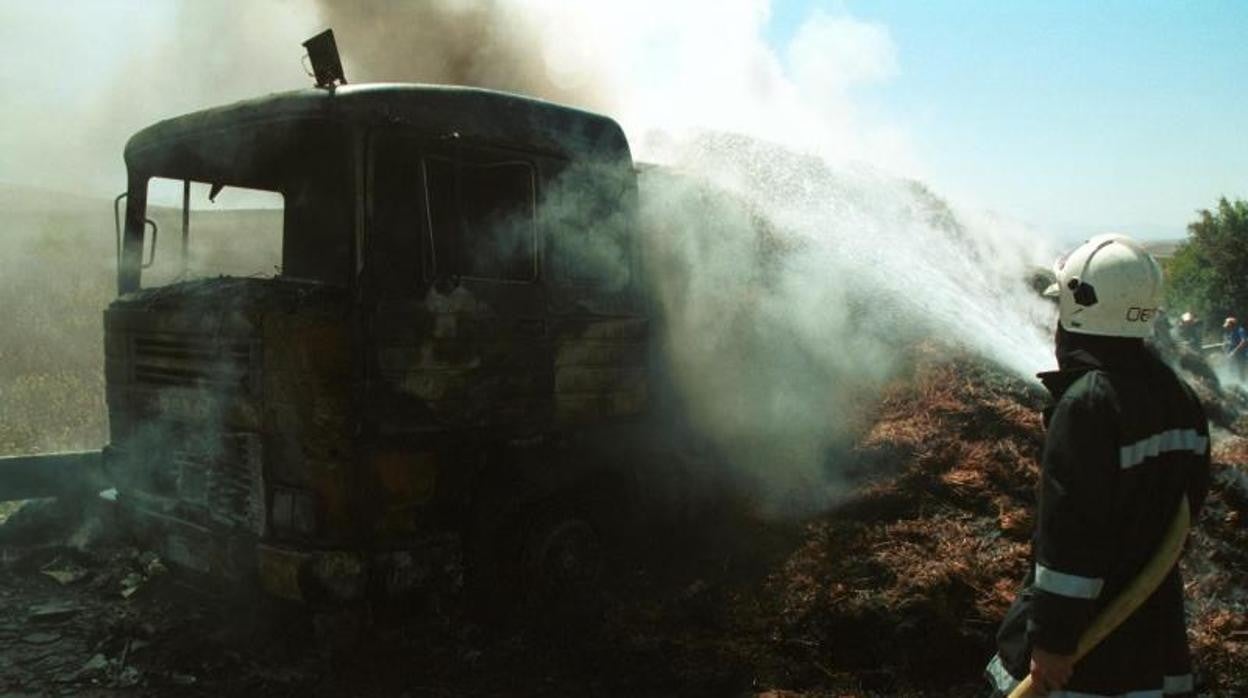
(238, 233)
(267, 198)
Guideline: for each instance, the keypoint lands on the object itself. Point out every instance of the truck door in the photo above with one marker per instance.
(460, 330)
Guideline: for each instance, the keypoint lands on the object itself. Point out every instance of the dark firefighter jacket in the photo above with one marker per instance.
(1126, 439)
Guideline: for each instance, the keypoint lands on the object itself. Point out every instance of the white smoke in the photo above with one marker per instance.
(792, 292)
(782, 347)
(82, 77)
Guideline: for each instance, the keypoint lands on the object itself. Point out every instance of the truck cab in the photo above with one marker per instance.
(435, 374)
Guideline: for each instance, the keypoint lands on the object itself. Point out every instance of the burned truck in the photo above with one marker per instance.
(445, 367)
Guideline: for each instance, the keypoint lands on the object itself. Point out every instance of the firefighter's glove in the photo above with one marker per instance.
(1049, 672)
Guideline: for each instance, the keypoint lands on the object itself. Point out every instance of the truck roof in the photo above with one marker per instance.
(474, 114)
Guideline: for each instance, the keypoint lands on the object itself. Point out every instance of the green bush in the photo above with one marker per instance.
(1209, 273)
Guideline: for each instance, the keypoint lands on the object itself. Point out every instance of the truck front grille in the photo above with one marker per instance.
(196, 361)
(223, 476)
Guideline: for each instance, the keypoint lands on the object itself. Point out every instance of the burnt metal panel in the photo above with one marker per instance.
(310, 414)
(223, 474)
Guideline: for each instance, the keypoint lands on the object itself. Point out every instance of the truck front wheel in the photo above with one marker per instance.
(561, 561)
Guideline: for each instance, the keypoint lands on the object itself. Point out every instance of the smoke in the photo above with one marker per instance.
(84, 80)
(508, 46)
(662, 69)
(792, 292)
(796, 262)
(85, 76)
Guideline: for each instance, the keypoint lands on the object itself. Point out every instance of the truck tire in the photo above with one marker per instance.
(562, 559)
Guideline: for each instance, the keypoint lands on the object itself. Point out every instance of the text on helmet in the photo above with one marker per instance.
(1141, 314)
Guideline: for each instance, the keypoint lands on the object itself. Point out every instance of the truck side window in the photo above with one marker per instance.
(483, 218)
(583, 212)
(443, 211)
(399, 249)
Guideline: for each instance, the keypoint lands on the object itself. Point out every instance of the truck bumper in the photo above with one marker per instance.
(51, 475)
(296, 572)
(342, 576)
(187, 544)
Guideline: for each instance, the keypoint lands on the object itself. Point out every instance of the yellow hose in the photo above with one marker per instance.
(1136, 593)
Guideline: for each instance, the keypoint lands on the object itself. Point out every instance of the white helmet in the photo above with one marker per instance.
(1108, 286)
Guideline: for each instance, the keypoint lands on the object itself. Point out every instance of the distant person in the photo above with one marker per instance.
(1188, 331)
(1126, 441)
(1235, 346)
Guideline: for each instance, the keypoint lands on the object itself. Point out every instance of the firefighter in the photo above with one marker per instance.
(1235, 346)
(1126, 440)
(1188, 331)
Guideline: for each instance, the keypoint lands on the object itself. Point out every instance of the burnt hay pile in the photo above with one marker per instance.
(903, 585)
(899, 589)
(914, 571)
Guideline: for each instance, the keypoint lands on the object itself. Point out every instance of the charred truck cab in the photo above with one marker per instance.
(438, 376)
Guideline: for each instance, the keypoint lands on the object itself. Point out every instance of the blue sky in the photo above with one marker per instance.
(1073, 116)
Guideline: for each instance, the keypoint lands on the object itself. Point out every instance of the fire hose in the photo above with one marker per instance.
(1136, 593)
